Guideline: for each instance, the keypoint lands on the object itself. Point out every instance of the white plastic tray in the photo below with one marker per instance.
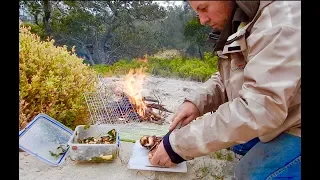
(140, 161)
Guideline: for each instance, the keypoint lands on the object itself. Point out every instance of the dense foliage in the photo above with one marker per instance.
(178, 67)
(52, 81)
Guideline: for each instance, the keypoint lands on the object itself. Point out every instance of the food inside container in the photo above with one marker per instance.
(95, 143)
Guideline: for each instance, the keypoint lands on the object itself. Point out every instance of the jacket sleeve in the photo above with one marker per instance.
(210, 95)
(271, 79)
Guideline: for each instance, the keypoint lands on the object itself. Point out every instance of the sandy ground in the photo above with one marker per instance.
(171, 93)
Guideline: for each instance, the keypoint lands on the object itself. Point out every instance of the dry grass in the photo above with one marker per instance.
(216, 166)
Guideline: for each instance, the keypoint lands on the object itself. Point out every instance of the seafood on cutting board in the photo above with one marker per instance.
(148, 142)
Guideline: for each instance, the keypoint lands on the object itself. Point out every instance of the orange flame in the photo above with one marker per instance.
(133, 82)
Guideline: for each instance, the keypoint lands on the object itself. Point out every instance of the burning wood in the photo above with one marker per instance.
(128, 105)
(158, 106)
(151, 100)
(134, 104)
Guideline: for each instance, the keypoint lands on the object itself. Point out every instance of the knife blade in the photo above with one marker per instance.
(156, 166)
(177, 127)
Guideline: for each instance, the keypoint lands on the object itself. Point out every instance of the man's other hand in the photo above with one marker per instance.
(185, 114)
(161, 157)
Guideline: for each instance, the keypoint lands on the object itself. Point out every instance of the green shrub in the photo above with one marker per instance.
(103, 69)
(37, 29)
(192, 68)
(52, 81)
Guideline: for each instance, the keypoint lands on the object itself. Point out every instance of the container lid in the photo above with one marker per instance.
(46, 139)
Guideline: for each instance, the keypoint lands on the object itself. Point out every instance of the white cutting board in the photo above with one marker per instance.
(139, 160)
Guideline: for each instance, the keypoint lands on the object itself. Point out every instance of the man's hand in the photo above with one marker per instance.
(186, 113)
(161, 157)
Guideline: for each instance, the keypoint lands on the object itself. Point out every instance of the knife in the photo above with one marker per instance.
(156, 166)
(177, 127)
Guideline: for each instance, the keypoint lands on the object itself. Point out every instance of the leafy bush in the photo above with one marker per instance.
(103, 69)
(52, 81)
(192, 68)
(36, 29)
(119, 68)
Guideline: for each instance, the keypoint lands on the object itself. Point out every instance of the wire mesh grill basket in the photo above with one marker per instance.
(109, 107)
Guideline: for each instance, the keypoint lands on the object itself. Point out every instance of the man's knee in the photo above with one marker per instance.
(242, 149)
(268, 159)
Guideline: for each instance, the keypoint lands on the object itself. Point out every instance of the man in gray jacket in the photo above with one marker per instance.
(255, 98)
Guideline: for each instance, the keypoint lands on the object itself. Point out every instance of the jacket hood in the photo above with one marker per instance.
(244, 11)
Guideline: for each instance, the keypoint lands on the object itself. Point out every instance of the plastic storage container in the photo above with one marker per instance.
(93, 152)
(51, 142)
(46, 139)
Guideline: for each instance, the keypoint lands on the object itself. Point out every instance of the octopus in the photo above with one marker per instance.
(148, 142)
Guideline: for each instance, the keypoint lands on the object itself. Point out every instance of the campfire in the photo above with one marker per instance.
(147, 114)
(134, 104)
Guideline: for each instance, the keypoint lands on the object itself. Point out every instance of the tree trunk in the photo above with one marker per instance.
(200, 53)
(100, 55)
(98, 52)
(36, 19)
(89, 55)
(47, 16)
